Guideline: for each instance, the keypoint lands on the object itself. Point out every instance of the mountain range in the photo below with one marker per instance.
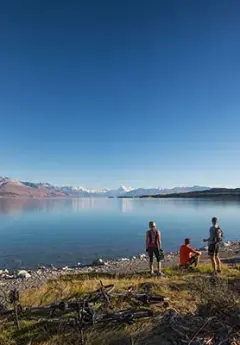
(15, 188)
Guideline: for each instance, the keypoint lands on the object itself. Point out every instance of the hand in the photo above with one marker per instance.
(199, 253)
(205, 240)
(147, 250)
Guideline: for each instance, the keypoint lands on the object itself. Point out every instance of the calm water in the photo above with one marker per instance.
(67, 231)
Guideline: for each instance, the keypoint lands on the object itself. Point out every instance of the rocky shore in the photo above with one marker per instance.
(25, 279)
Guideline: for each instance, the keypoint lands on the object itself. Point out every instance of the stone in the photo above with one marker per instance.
(124, 259)
(203, 249)
(53, 268)
(98, 262)
(89, 269)
(43, 268)
(66, 268)
(227, 244)
(4, 272)
(23, 274)
(142, 256)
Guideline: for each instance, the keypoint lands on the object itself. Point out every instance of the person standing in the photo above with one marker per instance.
(154, 247)
(214, 240)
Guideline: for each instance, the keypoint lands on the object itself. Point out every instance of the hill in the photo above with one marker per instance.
(15, 188)
(210, 193)
(156, 191)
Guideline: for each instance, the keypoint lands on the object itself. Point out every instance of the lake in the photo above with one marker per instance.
(67, 231)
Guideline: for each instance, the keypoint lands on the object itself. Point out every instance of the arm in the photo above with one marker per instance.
(207, 239)
(146, 240)
(160, 240)
(196, 252)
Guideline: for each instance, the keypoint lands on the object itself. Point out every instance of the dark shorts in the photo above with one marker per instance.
(213, 249)
(191, 262)
(154, 251)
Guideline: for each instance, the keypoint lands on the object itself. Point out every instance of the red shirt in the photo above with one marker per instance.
(186, 253)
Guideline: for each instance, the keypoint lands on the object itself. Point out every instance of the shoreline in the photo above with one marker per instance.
(226, 246)
(25, 279)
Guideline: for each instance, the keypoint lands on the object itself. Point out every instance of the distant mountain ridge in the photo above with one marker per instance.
(14, 188)
(152, 191)
(209, 193)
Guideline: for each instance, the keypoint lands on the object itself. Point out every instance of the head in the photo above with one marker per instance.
(187, 241)
(214, 221)
(152, 225)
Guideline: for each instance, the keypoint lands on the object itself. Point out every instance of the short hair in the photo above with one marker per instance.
(214, 220)
(187, 241)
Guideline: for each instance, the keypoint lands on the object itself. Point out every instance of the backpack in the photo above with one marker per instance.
(218, 236)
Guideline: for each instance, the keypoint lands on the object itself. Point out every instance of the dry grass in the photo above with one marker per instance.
(194, 297)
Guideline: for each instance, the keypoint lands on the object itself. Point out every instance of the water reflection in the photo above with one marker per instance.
(14, 206)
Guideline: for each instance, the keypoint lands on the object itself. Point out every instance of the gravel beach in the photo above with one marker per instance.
(25, 279)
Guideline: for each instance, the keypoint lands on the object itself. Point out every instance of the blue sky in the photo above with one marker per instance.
(103, 93)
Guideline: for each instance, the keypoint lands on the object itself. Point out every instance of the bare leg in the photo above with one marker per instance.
(213, 260)
(197, 260)
(159, 266)
(218, 262)
(151, 267)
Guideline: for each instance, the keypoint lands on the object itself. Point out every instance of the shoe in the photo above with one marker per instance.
(219, 271)
(152, 273)
(160, 274)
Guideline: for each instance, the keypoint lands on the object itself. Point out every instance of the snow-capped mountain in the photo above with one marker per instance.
(121, 191)
(10, 187)
(154, 191)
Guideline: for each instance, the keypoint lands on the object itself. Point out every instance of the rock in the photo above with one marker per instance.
(227, 244)
(203, 249)
(4, 272)
(23, 274)
(66, 268)
(124, 259)
(53, 268)
(142, 256)
(98, 262)
(168, 257)
(9, 276)
(90, 269)
(42, 268)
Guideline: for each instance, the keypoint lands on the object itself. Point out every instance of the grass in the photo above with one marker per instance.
(194, 296)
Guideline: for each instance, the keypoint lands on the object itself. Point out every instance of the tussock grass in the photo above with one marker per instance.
(195, 293)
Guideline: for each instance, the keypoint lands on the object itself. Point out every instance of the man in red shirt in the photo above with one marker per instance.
(188, 255)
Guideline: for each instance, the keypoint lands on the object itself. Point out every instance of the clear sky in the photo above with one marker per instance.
(102, 93)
